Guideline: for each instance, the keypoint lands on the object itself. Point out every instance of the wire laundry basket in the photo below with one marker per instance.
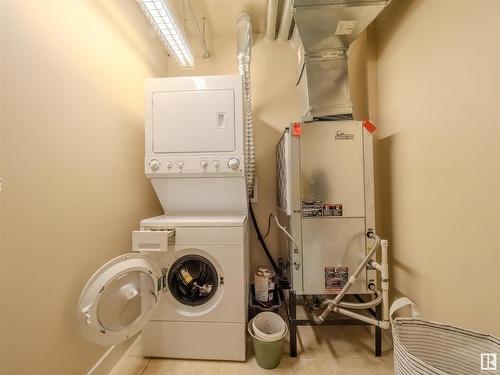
(424, 347)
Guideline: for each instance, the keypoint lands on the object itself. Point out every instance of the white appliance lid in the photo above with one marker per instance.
(195, 221)
(119, 299)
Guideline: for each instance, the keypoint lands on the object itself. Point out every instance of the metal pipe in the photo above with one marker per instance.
(272, 18)
(286, 21)
(199, 33)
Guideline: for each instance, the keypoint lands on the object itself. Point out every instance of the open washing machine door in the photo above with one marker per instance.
(120, 298)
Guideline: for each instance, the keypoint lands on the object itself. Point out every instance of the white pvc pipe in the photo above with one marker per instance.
(375, 265)
(286, 21)
(384, 244)
(382, 324)
(272, 18)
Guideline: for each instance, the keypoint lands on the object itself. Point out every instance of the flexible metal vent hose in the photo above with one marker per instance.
(244, 45)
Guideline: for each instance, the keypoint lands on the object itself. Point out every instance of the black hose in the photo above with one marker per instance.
(261, 240)
(269, 256)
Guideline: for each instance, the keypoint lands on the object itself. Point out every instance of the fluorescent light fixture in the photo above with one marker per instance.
(163, 22)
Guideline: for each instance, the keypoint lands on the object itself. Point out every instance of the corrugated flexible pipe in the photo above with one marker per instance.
(244, 46)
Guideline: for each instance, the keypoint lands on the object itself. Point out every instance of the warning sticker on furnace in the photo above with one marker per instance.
(332, 210)
(335, 278)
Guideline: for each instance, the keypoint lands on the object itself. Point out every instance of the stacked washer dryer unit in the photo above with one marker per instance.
(185, 286)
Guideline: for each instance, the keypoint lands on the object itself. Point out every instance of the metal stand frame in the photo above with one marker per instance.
(294, 323)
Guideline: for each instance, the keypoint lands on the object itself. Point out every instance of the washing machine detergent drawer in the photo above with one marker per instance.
(160, 240)
(151, 241)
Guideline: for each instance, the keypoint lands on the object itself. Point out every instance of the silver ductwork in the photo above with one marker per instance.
(324, 31)
(244, 46)
(286, 20)
(271, 19)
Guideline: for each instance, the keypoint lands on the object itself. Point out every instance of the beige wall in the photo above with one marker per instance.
(439, 155)
(72, 149)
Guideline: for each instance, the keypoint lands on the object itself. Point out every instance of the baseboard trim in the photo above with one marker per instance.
(112, 356)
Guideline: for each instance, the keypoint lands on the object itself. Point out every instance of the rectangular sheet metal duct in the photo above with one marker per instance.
(326, 29)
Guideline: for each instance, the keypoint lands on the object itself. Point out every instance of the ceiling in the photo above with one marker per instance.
(221, 15)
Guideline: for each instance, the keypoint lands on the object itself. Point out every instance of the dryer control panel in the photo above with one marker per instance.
(184, 165)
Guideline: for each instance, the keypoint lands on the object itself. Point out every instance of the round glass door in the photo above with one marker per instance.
(124, 300)
(119, 299)
(193, 280)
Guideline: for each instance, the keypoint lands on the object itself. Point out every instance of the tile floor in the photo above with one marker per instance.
(322, 350)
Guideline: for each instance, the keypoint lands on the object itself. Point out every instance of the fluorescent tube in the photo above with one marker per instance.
(163, 22)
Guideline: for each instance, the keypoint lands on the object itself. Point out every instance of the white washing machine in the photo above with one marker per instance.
(185, 286)
(184, 289)
(210, 324)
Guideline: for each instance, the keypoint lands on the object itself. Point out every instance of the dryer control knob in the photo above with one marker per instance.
(233, 163)
(204, 164)
(180, 164)
(216, 164)
(154, 165)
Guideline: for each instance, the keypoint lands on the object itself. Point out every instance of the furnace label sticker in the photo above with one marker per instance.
(314, 209)
(332, 210)
(336, 278)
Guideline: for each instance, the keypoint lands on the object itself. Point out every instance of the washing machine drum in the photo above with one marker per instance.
(193, 280)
